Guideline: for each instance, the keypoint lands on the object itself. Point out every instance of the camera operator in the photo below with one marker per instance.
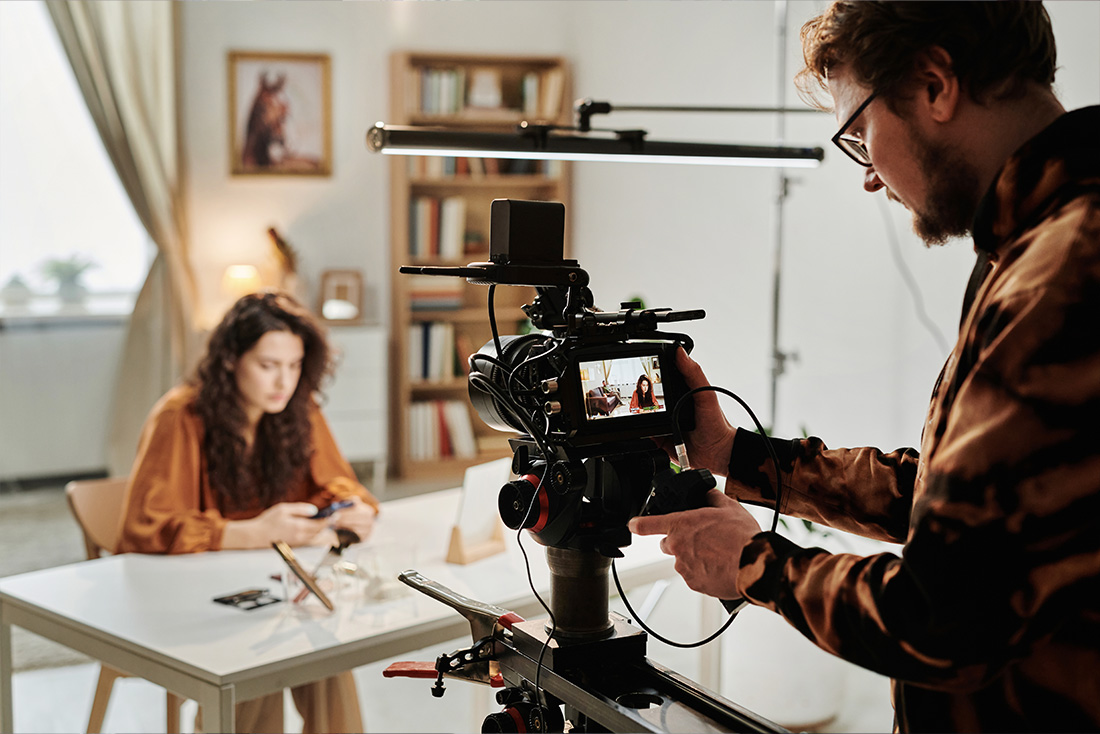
(990, 617)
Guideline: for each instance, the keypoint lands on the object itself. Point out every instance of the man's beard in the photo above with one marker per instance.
(952, 185)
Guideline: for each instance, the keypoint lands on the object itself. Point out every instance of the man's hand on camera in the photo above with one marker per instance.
(710, 444)
(707, 542)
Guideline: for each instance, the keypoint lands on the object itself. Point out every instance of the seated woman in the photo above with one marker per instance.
(643, 397)
(240, 456)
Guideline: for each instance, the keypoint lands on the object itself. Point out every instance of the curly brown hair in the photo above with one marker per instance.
(283, 446)
(996, 48)
(645, 399)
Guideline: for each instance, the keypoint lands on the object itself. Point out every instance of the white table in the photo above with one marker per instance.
(152, 616)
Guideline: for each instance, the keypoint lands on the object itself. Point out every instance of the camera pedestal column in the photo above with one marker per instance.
(579, 594)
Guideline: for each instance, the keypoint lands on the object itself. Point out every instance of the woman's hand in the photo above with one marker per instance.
(290, 522)
(359, 518)
(710, 444)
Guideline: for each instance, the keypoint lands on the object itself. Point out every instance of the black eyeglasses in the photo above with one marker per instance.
(850, 144)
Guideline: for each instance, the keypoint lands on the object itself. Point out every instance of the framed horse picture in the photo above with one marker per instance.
(280, 113)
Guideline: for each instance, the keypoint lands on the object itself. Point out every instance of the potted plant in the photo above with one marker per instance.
(67, 272)
(16, 292)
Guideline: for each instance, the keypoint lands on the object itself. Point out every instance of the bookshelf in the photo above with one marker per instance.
(439, 215)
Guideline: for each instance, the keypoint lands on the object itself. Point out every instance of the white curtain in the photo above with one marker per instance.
(124, 55)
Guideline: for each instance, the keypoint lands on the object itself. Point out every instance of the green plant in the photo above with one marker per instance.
(66, 270)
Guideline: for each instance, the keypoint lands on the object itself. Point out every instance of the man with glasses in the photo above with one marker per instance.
(989, 619)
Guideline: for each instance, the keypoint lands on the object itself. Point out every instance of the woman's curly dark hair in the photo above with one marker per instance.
(283, 446)
(645, 399)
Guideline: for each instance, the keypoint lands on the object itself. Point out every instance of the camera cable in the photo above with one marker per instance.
(493, 317)
(531, 583)
(681, 453)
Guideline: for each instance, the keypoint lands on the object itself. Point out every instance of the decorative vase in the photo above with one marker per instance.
(15, 292)
(71, 292)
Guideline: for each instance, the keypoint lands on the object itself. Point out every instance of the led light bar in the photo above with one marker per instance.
(546, 144)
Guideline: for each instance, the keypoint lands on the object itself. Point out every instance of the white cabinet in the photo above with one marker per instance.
(355, 402)
(57, 385)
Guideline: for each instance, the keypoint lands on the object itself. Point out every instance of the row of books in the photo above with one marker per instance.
(435, 293)
(448, 167)
(437, 226)
(442, 91)
(480, 92)
(440, 429)
(436, 352)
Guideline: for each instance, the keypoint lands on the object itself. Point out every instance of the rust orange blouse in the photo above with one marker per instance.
(170, 506)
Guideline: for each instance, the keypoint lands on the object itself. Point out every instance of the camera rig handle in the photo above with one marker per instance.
(475, 664)
(484, 619)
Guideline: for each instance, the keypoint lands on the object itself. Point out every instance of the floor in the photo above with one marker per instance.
(53, 686)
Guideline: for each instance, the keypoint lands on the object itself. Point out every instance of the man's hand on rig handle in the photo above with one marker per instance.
(710, 444)
(707, 542)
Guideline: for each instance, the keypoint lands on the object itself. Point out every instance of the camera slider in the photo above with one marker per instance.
(604, 682)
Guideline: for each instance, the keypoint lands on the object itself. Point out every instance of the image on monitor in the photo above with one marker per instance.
(622, 387)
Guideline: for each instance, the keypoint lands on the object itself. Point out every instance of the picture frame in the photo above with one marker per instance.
(341, 296)
(478, 531)
(280, 113)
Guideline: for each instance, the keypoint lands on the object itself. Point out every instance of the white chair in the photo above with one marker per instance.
(97, 506)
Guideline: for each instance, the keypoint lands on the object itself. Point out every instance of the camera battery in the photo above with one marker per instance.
(526, 232)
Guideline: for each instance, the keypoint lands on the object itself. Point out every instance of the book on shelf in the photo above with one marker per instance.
(434, 292)
(553, 88)
(423, 226)
(452, 227)
(433, 167)
(432, 352)
(439, 429)
(442, 91)
(441, 351)
(464, 347)
(437, 226)
(530, 94)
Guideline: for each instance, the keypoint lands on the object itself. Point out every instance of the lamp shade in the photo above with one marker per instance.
(543, 143)
(240, 280)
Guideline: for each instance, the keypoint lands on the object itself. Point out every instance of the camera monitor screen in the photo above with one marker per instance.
(621, 387)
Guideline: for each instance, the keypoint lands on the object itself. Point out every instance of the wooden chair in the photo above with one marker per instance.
(97, 506)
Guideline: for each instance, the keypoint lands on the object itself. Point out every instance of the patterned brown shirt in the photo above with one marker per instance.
(989, 620)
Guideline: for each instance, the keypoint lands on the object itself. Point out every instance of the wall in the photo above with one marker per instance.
(681, 236)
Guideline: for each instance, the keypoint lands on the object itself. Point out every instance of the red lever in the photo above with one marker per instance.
(509, 619)
(410, 669)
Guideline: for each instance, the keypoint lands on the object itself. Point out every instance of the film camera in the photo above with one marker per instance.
(587, 463)
(584, 452)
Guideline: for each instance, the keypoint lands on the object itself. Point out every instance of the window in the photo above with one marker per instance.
(59, 195)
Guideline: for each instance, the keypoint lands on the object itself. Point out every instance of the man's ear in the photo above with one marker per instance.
(937, 86)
